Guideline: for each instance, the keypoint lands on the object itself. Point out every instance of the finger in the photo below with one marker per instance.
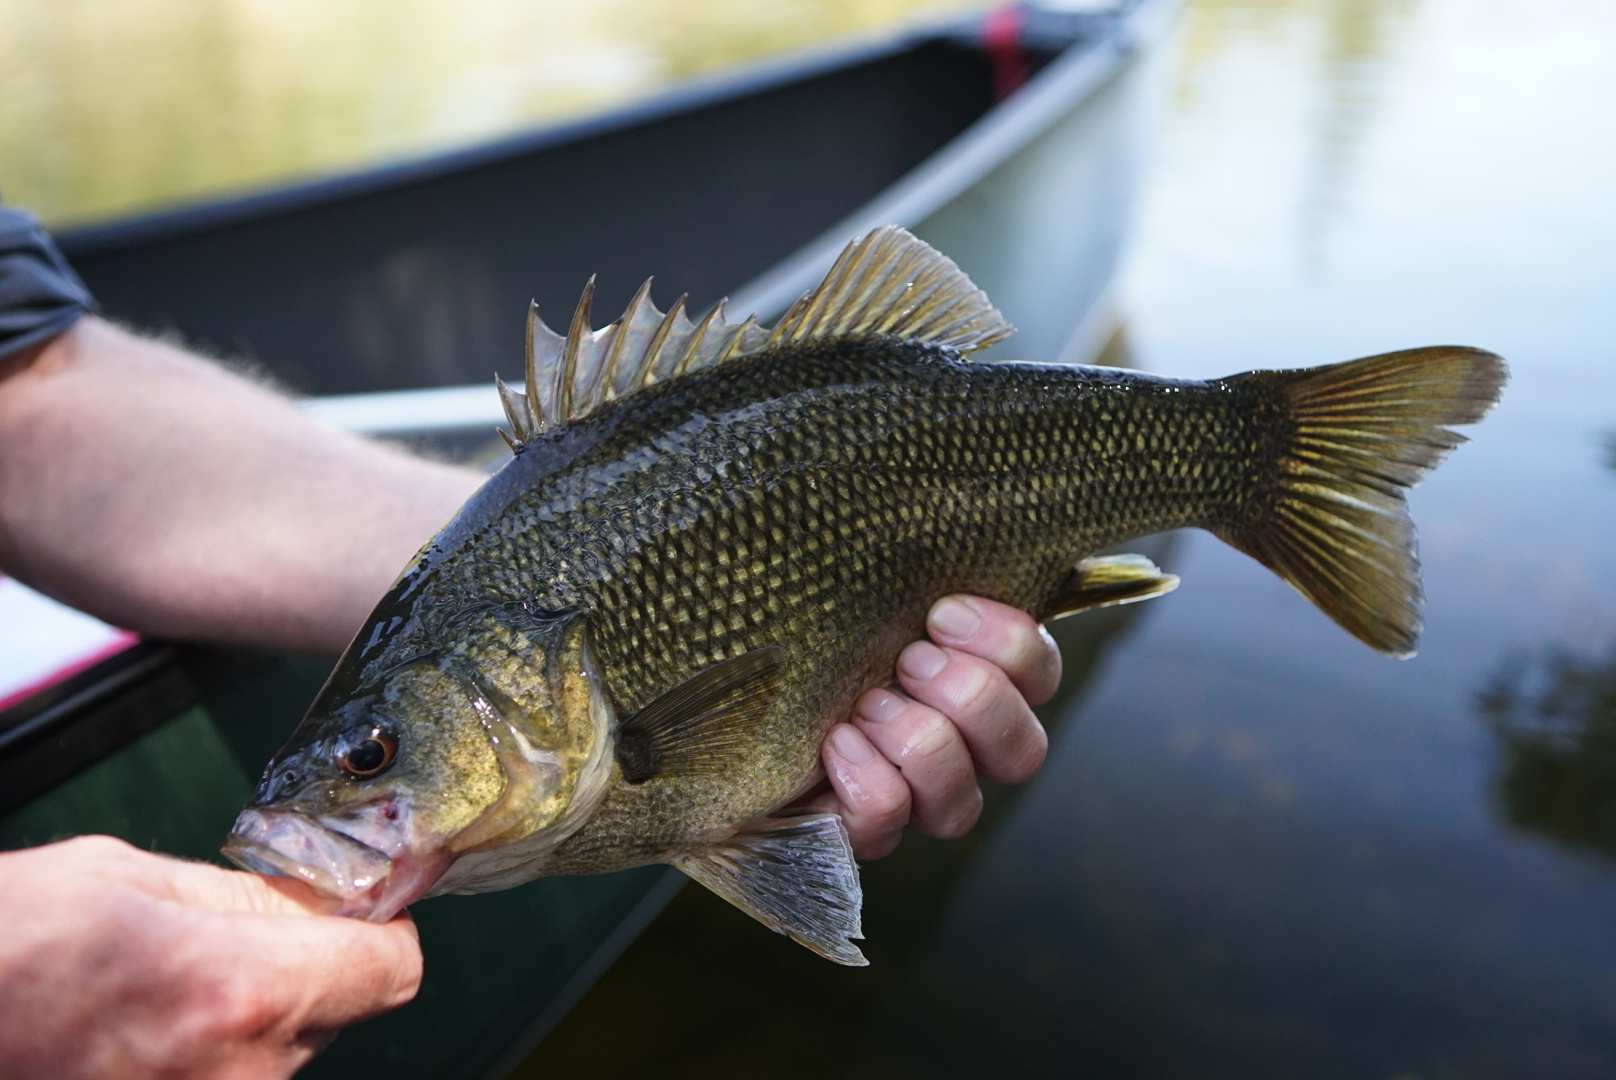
(1002, 635)
(874, 798)
(932, 756)
(324, 971)
(1006, 739)
(194, 884)
(319, 973)
(203, 885)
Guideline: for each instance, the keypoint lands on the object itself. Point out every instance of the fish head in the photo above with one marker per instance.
(366, 801)
(426, 780)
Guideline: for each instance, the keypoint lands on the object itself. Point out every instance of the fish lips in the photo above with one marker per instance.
(368, 883)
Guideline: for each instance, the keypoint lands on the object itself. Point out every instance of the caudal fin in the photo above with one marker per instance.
(1335, 523)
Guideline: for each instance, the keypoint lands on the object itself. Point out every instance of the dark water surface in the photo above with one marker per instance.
(1258, 848)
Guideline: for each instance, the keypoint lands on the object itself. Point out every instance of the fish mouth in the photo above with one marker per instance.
(369, 883)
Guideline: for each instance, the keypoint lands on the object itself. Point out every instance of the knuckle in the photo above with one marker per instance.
(888, 807)
(1032, 663)
(1022, 750)
(244, 1014)
(407, 973)
(931, 736)
(1017, 635)
(230, 1009)
(1031, 749)
(1038, 670)
(979, 685)
(98, 847)
(874, 798)
(960, 818)
(879, 847)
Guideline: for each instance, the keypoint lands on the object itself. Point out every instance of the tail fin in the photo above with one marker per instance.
(1336, 525)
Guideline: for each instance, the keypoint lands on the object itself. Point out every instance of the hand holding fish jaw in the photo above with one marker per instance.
(119, 962)
(911, 757)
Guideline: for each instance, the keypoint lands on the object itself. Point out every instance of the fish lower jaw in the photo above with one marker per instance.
(408, 881)
(361, 880)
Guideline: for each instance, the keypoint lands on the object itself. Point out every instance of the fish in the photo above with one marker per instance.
(627, 646)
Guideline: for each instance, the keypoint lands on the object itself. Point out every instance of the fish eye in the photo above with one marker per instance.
(368, 756)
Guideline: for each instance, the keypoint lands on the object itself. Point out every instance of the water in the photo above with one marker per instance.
(106, 108)
(1257, 848)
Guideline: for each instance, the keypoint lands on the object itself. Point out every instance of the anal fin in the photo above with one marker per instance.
(1104, 580)
(796, 876)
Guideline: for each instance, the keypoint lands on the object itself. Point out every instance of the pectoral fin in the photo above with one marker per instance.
(794, 875)
(700, 726)
(1106, 580)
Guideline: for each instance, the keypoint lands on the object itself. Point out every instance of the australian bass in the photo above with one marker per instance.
(627, 647)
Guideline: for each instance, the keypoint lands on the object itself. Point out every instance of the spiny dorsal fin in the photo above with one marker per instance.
(887, 282)
(570, 376)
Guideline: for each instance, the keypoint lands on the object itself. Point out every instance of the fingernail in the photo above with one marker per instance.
(922, 660)
(955, 619)
(880, 706)
(848, 743)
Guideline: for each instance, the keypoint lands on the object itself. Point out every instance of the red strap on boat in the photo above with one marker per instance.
(1001, 37)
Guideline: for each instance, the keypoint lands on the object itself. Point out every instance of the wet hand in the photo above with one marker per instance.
(118, 962)
(912, 756)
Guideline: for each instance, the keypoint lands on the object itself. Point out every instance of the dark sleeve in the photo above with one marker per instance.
(40, 296)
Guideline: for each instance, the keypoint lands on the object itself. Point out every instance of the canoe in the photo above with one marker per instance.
(1011, 141)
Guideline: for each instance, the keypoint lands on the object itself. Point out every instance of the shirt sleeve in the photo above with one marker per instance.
(40, 296)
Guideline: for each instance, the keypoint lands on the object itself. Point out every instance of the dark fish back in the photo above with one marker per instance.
(821, 498)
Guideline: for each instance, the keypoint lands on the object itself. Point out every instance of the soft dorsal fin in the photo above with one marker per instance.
(890, 283)
(887, 282)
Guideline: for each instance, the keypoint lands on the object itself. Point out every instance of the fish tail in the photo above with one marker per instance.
(1329, 515)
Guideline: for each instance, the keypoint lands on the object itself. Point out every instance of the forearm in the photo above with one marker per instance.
(162, 493)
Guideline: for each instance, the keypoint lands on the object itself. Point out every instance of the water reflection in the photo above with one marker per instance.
(1359, 47)
(1554, 716)
(112, 107)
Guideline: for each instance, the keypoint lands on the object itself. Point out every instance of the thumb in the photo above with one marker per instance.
(321, 972)
(213, 888)
(324, 971)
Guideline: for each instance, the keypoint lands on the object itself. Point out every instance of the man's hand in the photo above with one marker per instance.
(911, 756)
(123, 963)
